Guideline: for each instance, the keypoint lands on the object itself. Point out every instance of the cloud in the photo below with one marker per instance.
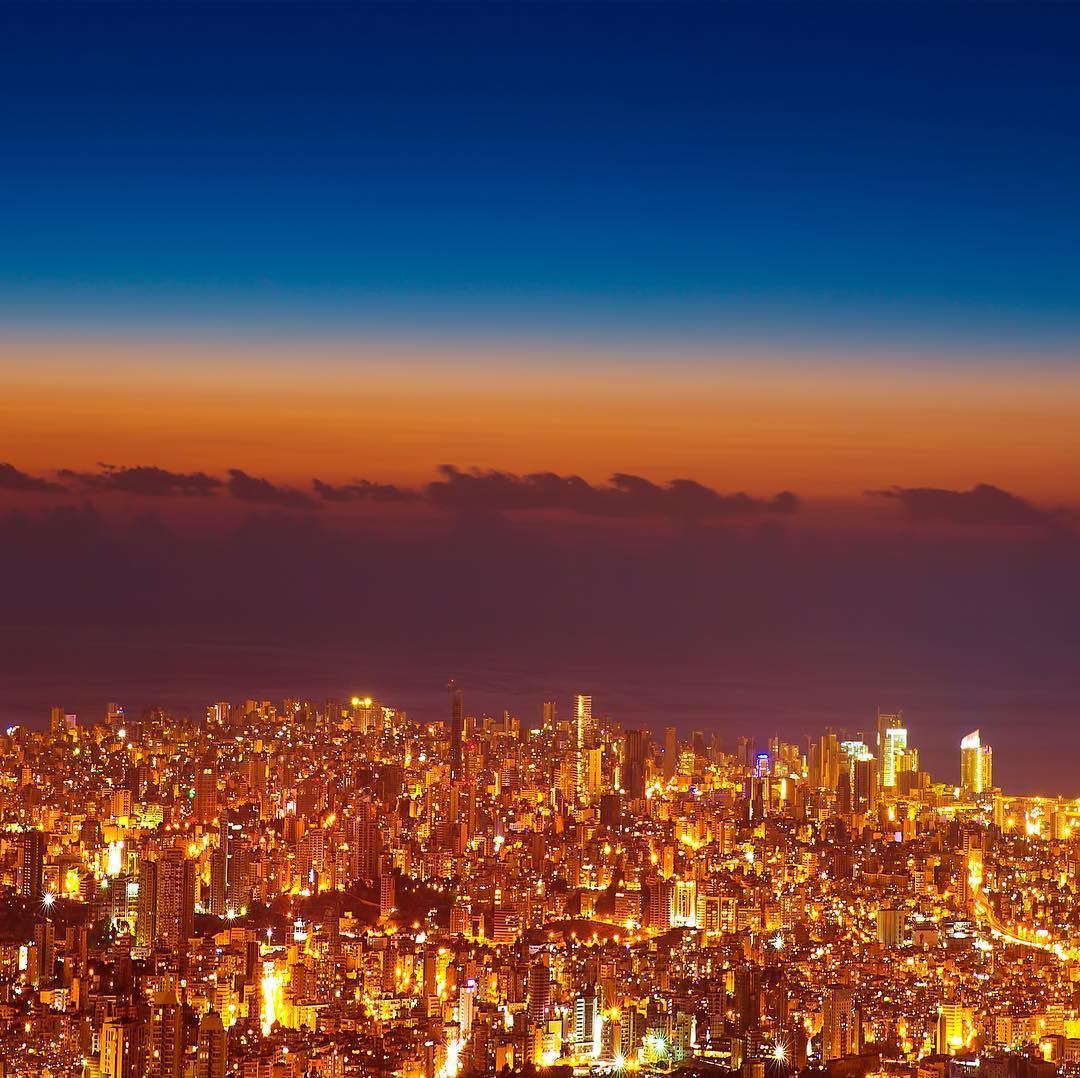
(363, 490)
(250, 488)
(22, 483)
(479, 491)
(983, 505)
(146, 481)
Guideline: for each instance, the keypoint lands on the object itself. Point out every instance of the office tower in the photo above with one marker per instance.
(31, 870)
(584, 738)
(829, 760)
(165, 1050)
(636, 744)
(122, 1049)
(976, 764)
(213, 1051)
(859, 764)
(457, 723)
(57, 721)
(840, 1034)
(865, 787)
(174, 901)
(893, 750)
(886, 721)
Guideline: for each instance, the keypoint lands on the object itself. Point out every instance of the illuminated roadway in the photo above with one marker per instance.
(999, 931)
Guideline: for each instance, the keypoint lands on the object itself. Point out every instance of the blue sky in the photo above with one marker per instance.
(678, 169)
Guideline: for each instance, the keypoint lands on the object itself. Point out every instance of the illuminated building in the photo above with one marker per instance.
(893, 749)
(890, 926)
(170, 900)
(953, 1026)
(122, 1049)
(976, 764)
(840, 1024)
(212, 1058)
(539, 993)
(206, 791)
(466, 1008)
(584, 735)
(165, 1048)
(31, 868)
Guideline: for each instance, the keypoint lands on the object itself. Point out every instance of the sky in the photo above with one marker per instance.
(723, 360)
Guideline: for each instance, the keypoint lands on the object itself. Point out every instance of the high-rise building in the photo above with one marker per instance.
(206, 791)
(886, 721)
(840, 1025)
(217, 715)
(549, 715)
(173, 901)
(467, 1008)
(539, 993)
(953, 1027)
(218, 882)
(31, 870)
(893, 750)
(976, 764)
(165, 1050)
(457, 724)
(635, 754)
(671, 753)
(122, 1049)
(747, 997)
(584, 737)
(212, 1057)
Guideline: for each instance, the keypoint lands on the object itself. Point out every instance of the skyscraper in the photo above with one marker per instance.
(893, 748)
(31, 869)
(173, 901)
(206, 791)
(584, 737)
(457, 722)
(976, 764)
(887, 720)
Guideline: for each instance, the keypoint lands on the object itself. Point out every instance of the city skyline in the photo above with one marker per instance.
(574, 895)
(539, 539)
(733, 369)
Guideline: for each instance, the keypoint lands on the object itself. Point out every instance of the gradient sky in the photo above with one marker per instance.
(824, 258)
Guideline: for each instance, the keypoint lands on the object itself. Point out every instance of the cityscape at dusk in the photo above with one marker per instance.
(539, 539)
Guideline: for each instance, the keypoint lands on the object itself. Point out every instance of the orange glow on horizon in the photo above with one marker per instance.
(394, 413)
